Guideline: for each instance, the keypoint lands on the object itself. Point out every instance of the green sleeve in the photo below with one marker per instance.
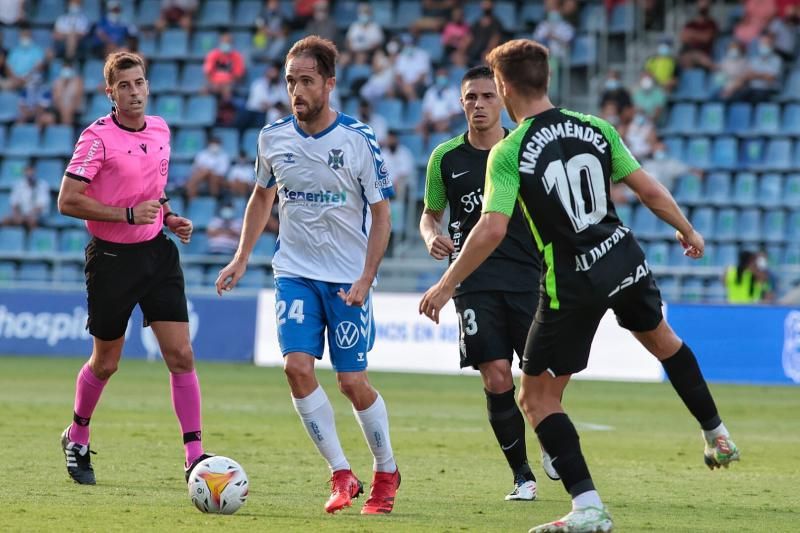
(435, 195)
(502, 178)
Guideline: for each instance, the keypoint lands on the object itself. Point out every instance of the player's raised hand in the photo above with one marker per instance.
(434, 299)
(693, 244)
(182, 227)
(357, 294)
(440, 246)
(230, 276)
(146, 212)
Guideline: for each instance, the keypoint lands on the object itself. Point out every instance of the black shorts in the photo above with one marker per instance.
(493, 324)
(119, 276)
(560, 340)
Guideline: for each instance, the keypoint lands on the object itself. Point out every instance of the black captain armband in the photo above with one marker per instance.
(129, 215)
(169, 214)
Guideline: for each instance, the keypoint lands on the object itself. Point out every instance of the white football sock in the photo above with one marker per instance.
(316, 412)
(590, 498)
(719, 431)
(374, 423)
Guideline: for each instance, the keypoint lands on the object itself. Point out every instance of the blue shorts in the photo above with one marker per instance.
(305, 308)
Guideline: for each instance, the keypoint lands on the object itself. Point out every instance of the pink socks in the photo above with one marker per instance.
(87, 393)
(186, 402)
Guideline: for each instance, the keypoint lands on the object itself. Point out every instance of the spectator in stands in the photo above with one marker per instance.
(176, 13)
(697, 38)
(664, 167)
(265, 93)
(376, 121)
(614, 92)
(303, 13)
(268, 24)
(639, 134)
(554, 32)
(726, 79)
(239, 180)
(12, 12)
(662, 65)
(277, 111)
(322, 24)
(364, 35)
(70, 30)
(210, 167)
(276, 47)
(748, 281)
(761, 80)
(224, 230)
(67, 94)
(441, 104)
(26, 60)
(757, 14)
(29, 201)
(784, 30)
(487, 33)
(111, 33)
(412, 68)
(382, 79)
(649, 97)
(456, 38)
(223, 67)
(7, 81)
(434, 14)
(36, 102)
(401, 166)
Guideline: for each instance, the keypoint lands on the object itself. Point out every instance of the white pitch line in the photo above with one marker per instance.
(593, 427)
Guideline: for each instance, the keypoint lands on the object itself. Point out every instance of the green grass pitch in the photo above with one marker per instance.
(643, 448)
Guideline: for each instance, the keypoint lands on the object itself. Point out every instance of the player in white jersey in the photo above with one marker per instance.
(332, 186)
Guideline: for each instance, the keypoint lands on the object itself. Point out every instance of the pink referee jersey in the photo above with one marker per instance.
(123, 168)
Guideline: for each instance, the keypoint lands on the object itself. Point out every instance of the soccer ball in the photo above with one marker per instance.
(218, 485)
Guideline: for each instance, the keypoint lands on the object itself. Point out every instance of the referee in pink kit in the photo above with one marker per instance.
(115, 181)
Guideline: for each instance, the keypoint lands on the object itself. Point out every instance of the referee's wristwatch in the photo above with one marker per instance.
(169, 214)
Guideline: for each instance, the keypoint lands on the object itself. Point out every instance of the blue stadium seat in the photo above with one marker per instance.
(92, 9)
(391, 109)
(199, 243)
(201, 210)
(356, 72)
(724, 153)
(345, 12)
(215, 13)
(250, 142)
(644, 223)
(170, 108)
(229, 137)
(791, 191)
(715, 291)
(770, 190)
(383, 12)
(584, 51)
(193, 80)
(725, 225)
(791, 89)
(179, 172)
(23, 140)
(431, 42)
(203, 41)
(775, 253)
(698, 152)
(692, 85)
(681, 119)
(778, 155)
(58, 140)
(412, 115)
(33, 271)
(749, 225)
(727, 255)
(739, 117)
(592, 17)
(72, 241)
(658, 254)
(692, 290)
(51, 170)
(767, 119)
(68, 273)
(193, 275)
(792, 227)
(8, 106)
(677, 257)
(47, 11)
(791, 255)
(12, 239)
(11, 171)
(92, 72)
(791, 120)
(2, 138)
(712, 118)
(42, 241)
(149, 11)
(8, 272)
(703, 220)
(624, 213)
(745, 189)
(265, 246)
(414, 143)
(796, 161)
(98, 106)
(775, 225)
(5, 207)
(718, 188)
(621, 19)
(173, 44)
(201, 111)
(675, 147)
(245, 13)
(751, 153)
(243, 42)
(148, 45)
(506, 13)
(176, 204)
(187, 142)
(435, 139)
(163, 76)
(668, 287)
(408, 11)
(254, 278)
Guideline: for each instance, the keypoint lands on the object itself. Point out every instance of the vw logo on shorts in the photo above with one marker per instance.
(346, 335)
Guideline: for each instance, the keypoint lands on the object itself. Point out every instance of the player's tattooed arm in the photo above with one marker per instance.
(430, 227)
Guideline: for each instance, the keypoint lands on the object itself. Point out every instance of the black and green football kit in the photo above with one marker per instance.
(558, 167)
(496, 303)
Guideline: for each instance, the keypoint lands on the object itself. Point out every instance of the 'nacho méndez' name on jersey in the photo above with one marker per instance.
(561, 130)
(325, 184)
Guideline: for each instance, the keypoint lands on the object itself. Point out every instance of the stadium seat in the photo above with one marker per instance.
(790, 124)
(148, 45)
(745, 189)
(412, 115)
(506, 13)
(8, 106)
(215, 13)
(751, 153)
(243, 42)
(435, 139)
(738, 119)
(201, 210)
(414, 143)
(584, 51)
(668, 287)
(621, 19)
(34, 272)
(692, 290)
(675, 147)
(199, 243)
(718, 188)
(179, 172)
(187, 143)
(149, 11)
(12, 239)
(725, 225)
(677, 258)
(408, 12)
(47, 11)
(391, 109)
(193, 275)
(791, 89)
(703, 220)
(356, 72)
(170, 108)
(201, 110)
(163, 76)
(5, 208)
(229, 137)
(8, 272)
(92, 72)
(42, 241)
(770, 190)
(203, 41)
(265, 246)
(250, 142)
(72, 241)
(689, 190)
(775, 225)
(98, 106)
(533, 12)
(624, 212)
(23, 140)
(344, 13)
(791, 255)
(792, 227)
(592, 17)
(681, 119)
(644, 223)
(254, 278)
(767, 119)
(658, 254)
(193, 80)
(245, 13)
(431, 42)
(383, 12)
(68, 273)
(12, 169)
(2, 138)
(727, 255)
(749, 225)
(712, 119)
(778, 155)
(58, 140)
(173, 44)
(791, 193)
(698, 152)
(715, 292)
(692, 85)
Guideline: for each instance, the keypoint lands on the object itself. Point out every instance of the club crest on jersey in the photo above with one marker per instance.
(288, 157)
(336, 158)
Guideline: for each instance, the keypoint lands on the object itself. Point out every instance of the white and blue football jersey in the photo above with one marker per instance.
(325, 185)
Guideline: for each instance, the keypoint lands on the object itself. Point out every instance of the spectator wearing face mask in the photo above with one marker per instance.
(412, 68)
(210, 166)
(614, 91)
(748, 282)
(662, 65)
(240, 177)
(70, 30)
(26, 59)
(111, 33)
(639, 134)
(364, 35)
(224, 230)
(649, 97)
(664, 167)
(223, 67)
(726, 79)
(487, 32)
(554, 32)
(30, 201)
(761, 80)
(322, 24)
(67, 94)
(265, 92)
(440, 105)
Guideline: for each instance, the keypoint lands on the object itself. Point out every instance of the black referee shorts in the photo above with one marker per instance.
(119, 276)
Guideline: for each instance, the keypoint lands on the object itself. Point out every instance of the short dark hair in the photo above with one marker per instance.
(322, 51)
(481, 72)
(522, 63)
(121, 61)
